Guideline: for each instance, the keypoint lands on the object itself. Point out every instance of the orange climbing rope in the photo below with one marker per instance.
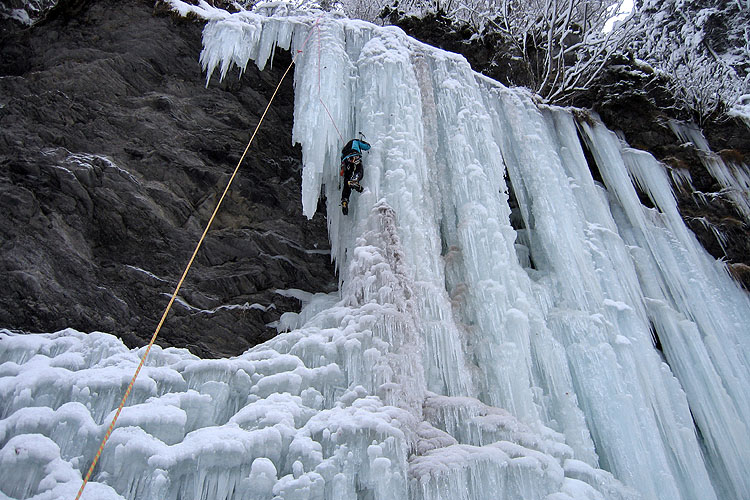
(185, 272)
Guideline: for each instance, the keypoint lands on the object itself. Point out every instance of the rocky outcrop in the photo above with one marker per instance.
(112, 157)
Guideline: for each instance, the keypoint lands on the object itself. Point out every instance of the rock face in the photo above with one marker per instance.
(113, 155)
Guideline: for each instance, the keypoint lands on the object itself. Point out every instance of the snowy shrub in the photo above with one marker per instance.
(562, 45)
(703, 47)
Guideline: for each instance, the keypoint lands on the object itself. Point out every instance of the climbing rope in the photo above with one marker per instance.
(187, 268)
(332, 120)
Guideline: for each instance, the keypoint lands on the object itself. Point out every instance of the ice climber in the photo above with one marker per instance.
(351, 170)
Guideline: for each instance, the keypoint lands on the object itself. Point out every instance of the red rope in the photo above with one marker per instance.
(332, 120)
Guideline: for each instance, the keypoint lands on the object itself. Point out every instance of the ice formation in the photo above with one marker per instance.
(734, 178)
(492, 337)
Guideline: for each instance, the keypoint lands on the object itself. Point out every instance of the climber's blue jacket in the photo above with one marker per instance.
(354, 148)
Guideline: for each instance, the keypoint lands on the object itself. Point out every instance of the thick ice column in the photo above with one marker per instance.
(614, 260)
(389, 113)
(484, 240)
(697, 309)
(489, 291)
(596, 301)
(492, 294)
(324, 79)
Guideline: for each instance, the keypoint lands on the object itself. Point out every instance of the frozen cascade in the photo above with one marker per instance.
(461, 358)
(702, 327)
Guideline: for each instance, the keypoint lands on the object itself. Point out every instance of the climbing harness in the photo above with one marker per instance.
(190, 263)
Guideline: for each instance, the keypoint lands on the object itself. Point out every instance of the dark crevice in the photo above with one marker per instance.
(516, 217)
(517, 221)
(656, 340)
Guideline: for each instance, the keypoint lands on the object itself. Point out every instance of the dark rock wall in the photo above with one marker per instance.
(112, 157)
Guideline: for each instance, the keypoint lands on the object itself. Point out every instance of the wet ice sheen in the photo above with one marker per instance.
(446, 366)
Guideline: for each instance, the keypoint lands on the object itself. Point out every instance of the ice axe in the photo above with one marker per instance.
(362, 136)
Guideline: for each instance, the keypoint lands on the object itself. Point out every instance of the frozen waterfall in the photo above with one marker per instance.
(492, 336)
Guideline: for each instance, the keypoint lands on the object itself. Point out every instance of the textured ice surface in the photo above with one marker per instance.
(464, 356)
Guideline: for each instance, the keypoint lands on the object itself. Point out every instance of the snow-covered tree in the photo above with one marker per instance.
(563, 42)
(703, 47)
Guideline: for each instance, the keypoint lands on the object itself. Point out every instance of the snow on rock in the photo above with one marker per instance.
(26, 12)
(464, 356)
